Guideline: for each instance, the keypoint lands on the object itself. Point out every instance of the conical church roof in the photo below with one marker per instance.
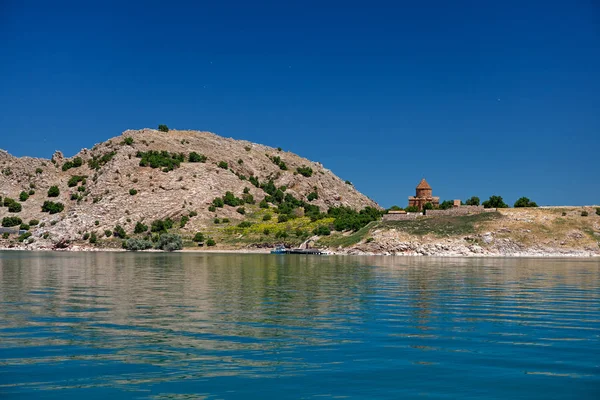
(423, 184)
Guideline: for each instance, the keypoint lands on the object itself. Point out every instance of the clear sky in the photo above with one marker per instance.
(479, 97)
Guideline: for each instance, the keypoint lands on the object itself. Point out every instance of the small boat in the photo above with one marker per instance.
(279, 250)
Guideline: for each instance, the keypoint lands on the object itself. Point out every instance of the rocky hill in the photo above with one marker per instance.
(121, 182)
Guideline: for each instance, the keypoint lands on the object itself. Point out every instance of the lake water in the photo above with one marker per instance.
(186, 326)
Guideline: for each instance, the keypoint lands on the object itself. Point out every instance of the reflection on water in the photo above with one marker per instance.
(262, 326)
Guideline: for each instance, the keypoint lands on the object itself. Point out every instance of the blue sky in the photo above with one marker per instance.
(480, 98)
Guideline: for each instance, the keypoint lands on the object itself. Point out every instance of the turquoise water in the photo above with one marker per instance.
(125, 325)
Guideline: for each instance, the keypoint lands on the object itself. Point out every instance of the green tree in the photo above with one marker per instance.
(163, 128)
(223, 164)
(195, 157)
(169, 242)
(119, 232)
(198, 237)
(446, 204)
(525, 202)
(14, 207)
(132, 192)
(140, 228)
(495, 202)
(473, 201)
(23, 196)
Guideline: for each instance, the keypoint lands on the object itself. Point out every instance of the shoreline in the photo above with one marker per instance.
(579, 255)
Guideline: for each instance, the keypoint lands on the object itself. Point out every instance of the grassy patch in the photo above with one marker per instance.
(344, 240)
(443, 225)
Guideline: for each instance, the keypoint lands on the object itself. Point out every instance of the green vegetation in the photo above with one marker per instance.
(24, 237)
(254, 180)
(161, 226)
(128, 141)
(412, 209)
(98, 162)
(77, 162)
(134, 244)
(198, 237)
(8, 222)
(277, 161)
(347, 218)
(163, 128)
(305, 171)
(184, 220)
(75, 179)
(322, 230)
(217, 221)
(107, 233)
(525, 202)
(119, 232)
(34, 222)
(169, 242)
(195, 157)
(52, 207)
(7, 201)
(223, 164)
(14, 207)
(312, 196)
(598, 211)
(473, 201)
(495, 202)
(160, 159)
(38, 171)
(53, 191)
(23, 196)
(210, 242)
(140, 228)
(133, 192)
(218, 202)
(241, 210)
(93, 238)
(446, 204)
(24, 227)
(31, 192)
(584, 213)
(266, 217)
(212, 208)
(231, 200)
(442, 225)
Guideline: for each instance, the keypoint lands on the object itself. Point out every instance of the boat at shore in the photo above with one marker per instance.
(283, 250)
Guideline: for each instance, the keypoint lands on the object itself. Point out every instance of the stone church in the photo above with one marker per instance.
(423, 196)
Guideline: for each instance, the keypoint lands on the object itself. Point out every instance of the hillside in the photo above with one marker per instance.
(106, 186)
(559, 231)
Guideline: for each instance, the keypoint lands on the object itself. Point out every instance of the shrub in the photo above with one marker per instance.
(96, 222)
(248, 198)
(108, 233)
(134, 244)
(161, 226)
(312, 196)
(75, 179)
(86, 236)
(282, 218)
(160, 159)
(369, 240)
(52, 207)
(322, 230)
(128, 141)
(218, 202)
(140, 228)
(198, 237)
(212, 208)
(211, 242)
(169, 242)
(98, 162)
(564, 214)
(266, 217)
(93, 238)
(77, 162)
(494, 202)
(74, 196)
(223, 164)
(247, 148)
(254, 180)
(245, 224)
(240, 161)
(7, 201)
(266, 231)
(231, 200)
(263, 204)
(38, 171)
(217, 221)
(195, 157)
(23, 196)
(24, 237)
(14, 207)
(281, 234)
(446, 205)
(241, 210)
(193, 214)
(225, 220)
(412, 209)
(132, 192)
(31, 192)
(163, 128)
(598, 211)
(53, 191)
(5, 235)
(184, 220)
(24, 227)
(584, 213)
(246, 190)
(7, 222)
(524, 202)
(119, 232)
(348, 183)
(347, 218)
(34, 222)
(305, 171)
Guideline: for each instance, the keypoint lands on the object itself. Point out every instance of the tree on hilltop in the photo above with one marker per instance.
(495, 202)
(525, 202)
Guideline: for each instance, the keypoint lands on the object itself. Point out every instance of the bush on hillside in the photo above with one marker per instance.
(305, 171)
(210, 242)
(161, 226)
(195, 157)
(163, 128)
(23, 196)
(132, 192)
(8, 222)
(198, 237)
(97, 162)
(119, 232)
(312, 196)
(53, 191)
(134, 244)
(14, 207)
(128, 141)
(446, 204)
(160, 159)
(52, 207)
(223, 164)
(169, 242)
(140, 228)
